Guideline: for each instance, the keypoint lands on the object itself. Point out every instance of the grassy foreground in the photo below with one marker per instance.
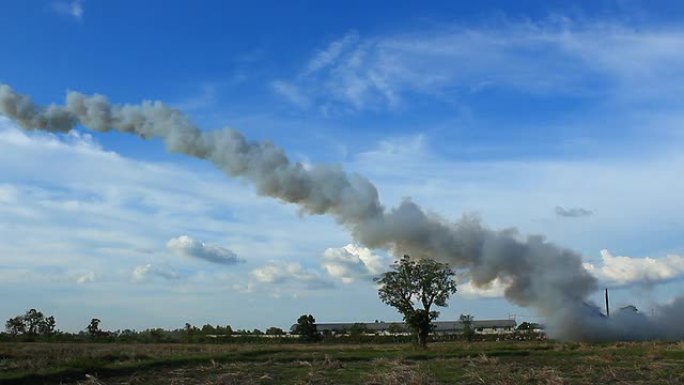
(521, 362)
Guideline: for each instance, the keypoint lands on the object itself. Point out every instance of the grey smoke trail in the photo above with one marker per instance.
(539, 274)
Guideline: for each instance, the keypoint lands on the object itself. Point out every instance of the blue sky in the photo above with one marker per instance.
(556, 119)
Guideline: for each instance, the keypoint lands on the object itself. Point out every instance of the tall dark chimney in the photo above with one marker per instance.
(607, 307)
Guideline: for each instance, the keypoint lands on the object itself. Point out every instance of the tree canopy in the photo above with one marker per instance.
(275, 331)
(32, 323)
(467, 322)
(413, 287)
(306, 328)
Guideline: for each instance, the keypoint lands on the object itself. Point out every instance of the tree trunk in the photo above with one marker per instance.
(423, 337)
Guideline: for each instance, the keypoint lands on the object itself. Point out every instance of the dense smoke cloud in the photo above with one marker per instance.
(536, 273)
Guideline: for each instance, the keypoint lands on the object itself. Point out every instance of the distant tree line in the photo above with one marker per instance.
(35, 326)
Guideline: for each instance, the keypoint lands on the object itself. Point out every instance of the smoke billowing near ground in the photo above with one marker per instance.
(538, 274)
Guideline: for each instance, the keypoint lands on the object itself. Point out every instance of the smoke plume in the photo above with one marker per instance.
(537, 273)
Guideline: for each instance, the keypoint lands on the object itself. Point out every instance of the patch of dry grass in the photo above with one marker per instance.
(398, 372)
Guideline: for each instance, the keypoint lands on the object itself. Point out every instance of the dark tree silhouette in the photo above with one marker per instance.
(32, 323)
(306, 328)
(467, 322)
(15, 325)
(33, 319)
(274, 331)
(94, 327)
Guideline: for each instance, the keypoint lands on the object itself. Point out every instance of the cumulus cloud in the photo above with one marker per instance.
(574, 212)
(622, 270)
(184, 246)
(289, 272)
(72, 8)
(90, 209)
(408, 214)
(145, 272)
(352, 262)
(613, 271)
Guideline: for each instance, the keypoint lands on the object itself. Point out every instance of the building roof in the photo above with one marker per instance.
(440, 326)
(484, 324)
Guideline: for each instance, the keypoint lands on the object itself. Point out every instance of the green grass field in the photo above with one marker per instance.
(521, 362)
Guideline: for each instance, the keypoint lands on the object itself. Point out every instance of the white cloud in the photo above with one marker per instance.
(145, 272)
(73, 8)
(8, 194)
(86, 277)
(204, 98)
(559, 56)
(83, 218)
(87, 209)
(622, 270)
(291, 92)
(330, 54)
(520, 192)
(573, 212)
(281, 273)
(494, 289)
(54, 187)
(352, 262)
(614, 270)
(184, 246)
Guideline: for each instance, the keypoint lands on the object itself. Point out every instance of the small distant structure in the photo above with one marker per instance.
(591, 310)
(218, 337)
(629, 309)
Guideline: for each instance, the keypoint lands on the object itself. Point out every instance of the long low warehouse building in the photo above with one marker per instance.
(490, 327)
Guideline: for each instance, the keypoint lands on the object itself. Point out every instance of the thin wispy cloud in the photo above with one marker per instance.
(520, 192)
(574, 212)
(112, 223)
(291, 92)
(552, 120)
(204, 98)
(329, 55)
(86, 278)
(557, 56)
(148, 271)
(73, 8)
